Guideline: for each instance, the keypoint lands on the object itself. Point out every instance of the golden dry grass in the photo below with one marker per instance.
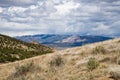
(73, 64)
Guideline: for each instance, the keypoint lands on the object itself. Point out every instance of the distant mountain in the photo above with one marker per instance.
(43, 38)
(73, 39)
(12, 49)
(62, 41)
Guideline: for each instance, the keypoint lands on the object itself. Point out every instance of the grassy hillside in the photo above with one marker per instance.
(12, 49)
(99, 61)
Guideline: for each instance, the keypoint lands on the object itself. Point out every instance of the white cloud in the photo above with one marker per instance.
(90, 8)
(1, 10)
(116, 2)
(16, 9)
(14, 25)
(18, 19)
(66, 7)
(33, 7)
(101, 27)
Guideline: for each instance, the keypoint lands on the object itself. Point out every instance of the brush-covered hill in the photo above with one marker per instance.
(12, 49)
(98, 61)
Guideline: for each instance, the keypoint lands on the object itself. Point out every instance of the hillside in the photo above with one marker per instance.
(62, 41)
(98, 61)
(12, 49)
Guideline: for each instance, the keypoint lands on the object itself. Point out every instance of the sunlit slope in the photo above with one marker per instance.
(98, 61)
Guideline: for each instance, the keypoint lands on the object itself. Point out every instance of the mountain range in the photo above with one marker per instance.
(62, 41)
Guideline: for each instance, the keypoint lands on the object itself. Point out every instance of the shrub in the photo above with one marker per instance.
(24, 69)
(114, 59)
(56, 61)
(90, 76)
(99, 49)
(105, 59)
(92, 64)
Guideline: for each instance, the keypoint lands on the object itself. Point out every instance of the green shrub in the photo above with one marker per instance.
(56, 61)
(92, 64)
(99, 49)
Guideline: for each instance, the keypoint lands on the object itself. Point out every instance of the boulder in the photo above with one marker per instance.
(115, 72)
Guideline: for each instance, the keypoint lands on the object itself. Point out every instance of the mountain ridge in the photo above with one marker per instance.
(62, 41)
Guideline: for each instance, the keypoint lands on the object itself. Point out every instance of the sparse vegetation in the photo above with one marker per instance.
(24, 69)
(57, 61)
(114, 59)
(99, 49)
(90, 76)
(106, 59)
(64, 65)
(92, 64)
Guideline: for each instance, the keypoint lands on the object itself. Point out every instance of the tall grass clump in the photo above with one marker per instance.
(23, 69)
(57, 61)
(99, 49)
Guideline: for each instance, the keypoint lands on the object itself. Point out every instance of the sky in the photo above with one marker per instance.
(83, 17)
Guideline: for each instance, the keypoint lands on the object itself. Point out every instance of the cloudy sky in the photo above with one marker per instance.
(84, 17)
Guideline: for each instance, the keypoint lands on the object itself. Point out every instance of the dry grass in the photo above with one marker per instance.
(69, 64)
